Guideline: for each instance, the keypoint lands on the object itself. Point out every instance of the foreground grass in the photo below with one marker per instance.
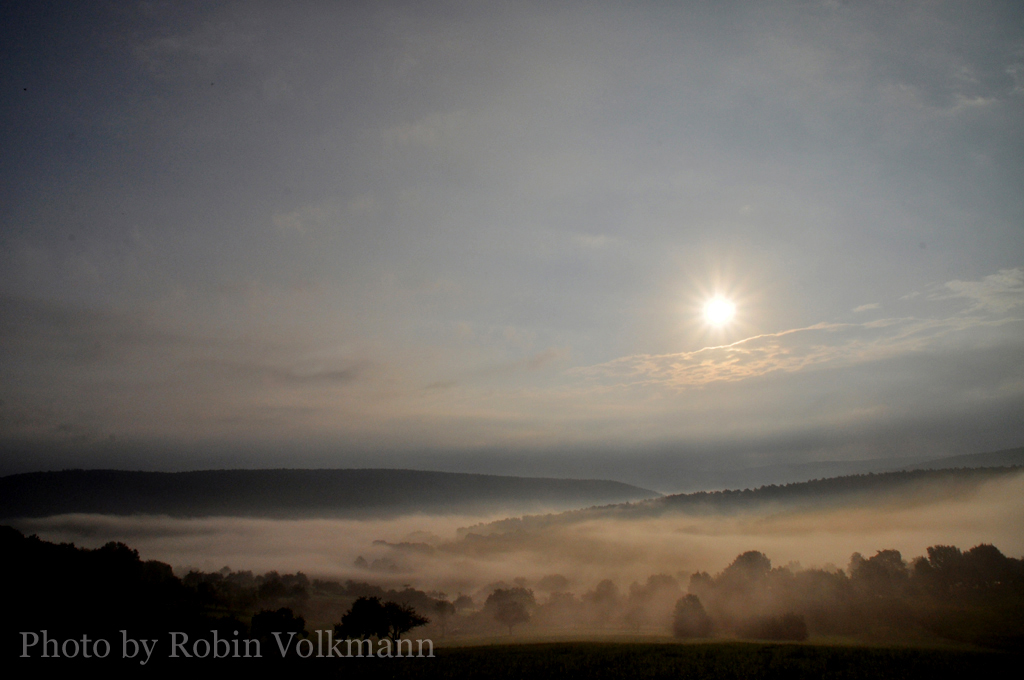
(728, 660)
(569, 660)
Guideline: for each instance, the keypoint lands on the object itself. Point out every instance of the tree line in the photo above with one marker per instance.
(974, 595)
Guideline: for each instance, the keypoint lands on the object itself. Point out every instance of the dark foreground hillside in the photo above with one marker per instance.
(718, 661)
(594, 661)
(295, 493)
(68, 609)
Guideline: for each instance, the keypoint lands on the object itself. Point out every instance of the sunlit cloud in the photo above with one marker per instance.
(991, 300)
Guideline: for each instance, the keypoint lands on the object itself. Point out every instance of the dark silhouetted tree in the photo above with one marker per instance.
(884, 575)
(365, 619)
(986, 566)
(283, 621)
(401, 619)
(943, 571)
(369, 618)
(272, 587)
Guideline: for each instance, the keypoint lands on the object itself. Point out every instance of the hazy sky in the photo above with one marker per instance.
(479, 235)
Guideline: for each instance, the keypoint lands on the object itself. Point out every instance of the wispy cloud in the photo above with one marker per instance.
(996, 293)
(92, 373)
(990, 302)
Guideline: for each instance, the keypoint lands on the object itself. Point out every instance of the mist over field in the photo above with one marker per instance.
(465, 554)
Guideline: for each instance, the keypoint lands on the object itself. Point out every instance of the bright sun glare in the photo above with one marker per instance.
(719, 311)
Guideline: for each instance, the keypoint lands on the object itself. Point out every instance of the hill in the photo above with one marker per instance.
(297, 493)
(868, 490)
(1006, 457)
(705, 475)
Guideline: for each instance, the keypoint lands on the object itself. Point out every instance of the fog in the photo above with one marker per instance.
(464, 554)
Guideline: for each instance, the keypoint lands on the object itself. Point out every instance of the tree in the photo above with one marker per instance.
(444, 610)
(509, 606)
(701, 584)
(652, 602)
(267, 622)
(943, 570)
(463, 602)
(750, 568)
(606, 593)
(986, 566)
(881, 576)
(401, 618)
(365, 619)
(511, 613)
(603, 601)
(369, 618)
(553, 583)
(689, 619)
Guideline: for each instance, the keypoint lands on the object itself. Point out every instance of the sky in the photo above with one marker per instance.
(479, 236)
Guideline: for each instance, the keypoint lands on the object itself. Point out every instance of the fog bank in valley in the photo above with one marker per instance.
(464, 553)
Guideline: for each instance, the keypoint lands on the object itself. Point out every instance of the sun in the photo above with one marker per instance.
(718, 311)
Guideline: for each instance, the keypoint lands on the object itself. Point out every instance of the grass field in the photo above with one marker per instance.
(725, 660)
(639, 661)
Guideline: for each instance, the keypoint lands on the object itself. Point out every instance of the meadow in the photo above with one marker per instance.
(723, 660)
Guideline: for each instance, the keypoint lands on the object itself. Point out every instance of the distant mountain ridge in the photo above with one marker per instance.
(901, 486)
(297, 493)
(1004, 458)
(789, 473)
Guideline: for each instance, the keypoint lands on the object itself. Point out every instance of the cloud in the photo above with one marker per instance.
(548, 356)
(84, 373)
(824, 344)
(864, 308)
(214, 43)
(996, 293)
(294, 374)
